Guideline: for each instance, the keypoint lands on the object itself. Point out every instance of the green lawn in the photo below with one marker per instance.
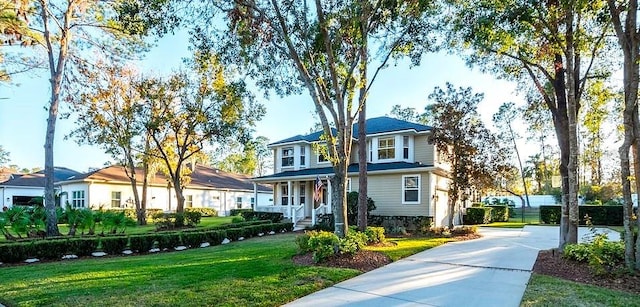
(550, 291)
(255, 272)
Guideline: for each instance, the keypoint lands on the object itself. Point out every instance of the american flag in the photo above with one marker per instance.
(318, 189)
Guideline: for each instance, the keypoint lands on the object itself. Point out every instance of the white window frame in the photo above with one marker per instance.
(188, 201)
(406, 152)
(303, 156)
(348, 185)
(77, 199)
(118, 199)
(289, 157)
(239, 202)
(418, 188)
(392, 147)
(284, 194)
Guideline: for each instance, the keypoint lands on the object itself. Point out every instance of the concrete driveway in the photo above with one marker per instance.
(491, 271)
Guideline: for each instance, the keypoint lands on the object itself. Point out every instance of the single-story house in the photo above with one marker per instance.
(20, 189)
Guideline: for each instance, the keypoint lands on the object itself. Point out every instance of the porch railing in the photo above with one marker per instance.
(322, 209)
(281, 209)
(297, 213)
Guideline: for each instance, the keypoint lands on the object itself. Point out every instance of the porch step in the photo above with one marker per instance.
(302, 224)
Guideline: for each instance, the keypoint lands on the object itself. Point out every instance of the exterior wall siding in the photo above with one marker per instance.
(386, 192)
(424, 152)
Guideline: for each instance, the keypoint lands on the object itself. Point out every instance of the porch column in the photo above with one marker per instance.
(255, 196)
(289, 200)
(330, 204)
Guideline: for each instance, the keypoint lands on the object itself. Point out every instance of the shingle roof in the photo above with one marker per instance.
(375, 125)
(353, 169)
(37, 179)
(202, 176)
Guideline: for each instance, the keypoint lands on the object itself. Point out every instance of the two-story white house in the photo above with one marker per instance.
(405, 175)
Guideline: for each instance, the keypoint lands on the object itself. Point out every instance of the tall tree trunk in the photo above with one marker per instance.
(362, 122)
(177, 187)
(572, 112)
(56, 69)
(339, 197)
(131, 173)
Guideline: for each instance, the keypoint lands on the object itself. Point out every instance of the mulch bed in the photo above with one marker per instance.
(363, 260)
(551, 263)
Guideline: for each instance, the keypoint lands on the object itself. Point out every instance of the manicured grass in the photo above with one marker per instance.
(531, 215)
(550, 291)
(408, 246)
(255, 272)
(506, 225)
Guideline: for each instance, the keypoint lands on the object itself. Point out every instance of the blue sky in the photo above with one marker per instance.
(23, 115)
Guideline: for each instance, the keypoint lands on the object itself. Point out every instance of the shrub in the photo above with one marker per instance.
(375, 234)
(478, 215)
(599, 215)
(499, 213)
(302, 242)
(464, 230)
(192, 218)
(141, 243)
(601, 254)
(323, 244)
(238, 219)
(203, 211)
(275, 217)
(239, 211)
(442, 231)
(194, 238)
(114, 245)
(352, 242)
(352, 207)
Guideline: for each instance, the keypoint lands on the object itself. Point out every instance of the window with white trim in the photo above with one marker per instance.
(386, 148)
(239, 202)
(116, 199)
(348, 185)
(77, 199)
(411, 189)
(284, 196)
(188, 201)
(287, 156)
(253, 202)
(303, 192)
(405, 147)
(303, 160)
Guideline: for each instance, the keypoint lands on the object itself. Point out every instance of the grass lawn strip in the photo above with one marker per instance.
(551, 291)
(257, 272)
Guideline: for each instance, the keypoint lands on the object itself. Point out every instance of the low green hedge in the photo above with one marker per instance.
(599, 215)
(478, 215)
(275, 217)
(499, 213)
(142, 243)
(131, 213)
(239, 211)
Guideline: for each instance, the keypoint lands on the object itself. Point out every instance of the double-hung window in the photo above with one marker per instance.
(116, 199)
(405, 147)
(411, 189)
(188, 201)
(287, 156)
(239, 202)
(303, 160)
(386, 148)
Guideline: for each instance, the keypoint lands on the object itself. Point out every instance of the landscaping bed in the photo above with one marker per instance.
(552, 264)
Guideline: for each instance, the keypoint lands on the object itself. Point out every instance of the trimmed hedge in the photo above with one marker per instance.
(131, 213)
(478, 215)
(239, 211)
(499, 213)
(205, 212)
(600, 215)
(56, 248)
(275, 217)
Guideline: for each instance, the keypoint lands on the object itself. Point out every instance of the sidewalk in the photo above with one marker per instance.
(491, 271)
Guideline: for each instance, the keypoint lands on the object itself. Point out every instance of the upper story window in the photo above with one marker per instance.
(287, 156)
(302, 156)
(405, 147)
(386, 148)
(411, 189)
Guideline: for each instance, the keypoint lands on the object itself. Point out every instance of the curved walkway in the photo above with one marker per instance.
(491, 271)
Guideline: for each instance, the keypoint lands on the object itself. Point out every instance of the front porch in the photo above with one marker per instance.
(294, 198)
